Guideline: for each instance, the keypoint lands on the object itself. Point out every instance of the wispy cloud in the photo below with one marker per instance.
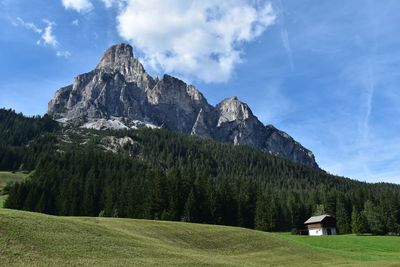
(344, 90)
(287, 46)
(369, 94)
(75, 22)
(27, 25)
(47, 36)
(64, 54)
(85, 6)
(81, 6)
(109, 3)
(285, 34)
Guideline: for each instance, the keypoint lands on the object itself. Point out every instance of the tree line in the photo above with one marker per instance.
(168, 176)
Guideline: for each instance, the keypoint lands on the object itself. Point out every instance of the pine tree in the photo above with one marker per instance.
(190, 213)
(374, 220)
(342, 217)
(265, 213)
(356, 222)
(319, 210)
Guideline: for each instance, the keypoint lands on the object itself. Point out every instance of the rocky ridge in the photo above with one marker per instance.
(120, 94)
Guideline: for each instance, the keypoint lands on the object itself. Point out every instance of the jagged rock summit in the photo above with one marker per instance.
(120, 94)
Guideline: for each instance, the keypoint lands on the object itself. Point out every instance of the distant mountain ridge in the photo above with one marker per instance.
(119, 93)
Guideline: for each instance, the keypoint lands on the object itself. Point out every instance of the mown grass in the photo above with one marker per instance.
(31, 239)
(362, 248)
(2, 200)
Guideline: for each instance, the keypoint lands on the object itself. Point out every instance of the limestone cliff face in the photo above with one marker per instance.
(120, 89)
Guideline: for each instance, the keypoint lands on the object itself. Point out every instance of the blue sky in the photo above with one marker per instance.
(324, 71)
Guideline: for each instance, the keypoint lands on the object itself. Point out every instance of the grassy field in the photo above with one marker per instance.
(7, 177)
(360, 248)
(31, 239)
(2, 200)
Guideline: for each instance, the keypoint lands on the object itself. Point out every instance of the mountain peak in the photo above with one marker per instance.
(233, 98)
(120, 88)
(120, 58)
(116, 54)
(232, 109)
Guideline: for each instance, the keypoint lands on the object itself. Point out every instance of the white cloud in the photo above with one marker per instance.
(287, 46)
(64, 54)
(200, 40)
(118, 3)
(27, 25)
(370, 89)
(108, 3)
(78, 5)
(194, 39)
(75, 22)
(47, 36)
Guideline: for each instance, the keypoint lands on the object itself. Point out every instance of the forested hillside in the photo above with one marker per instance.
(16, 131)
(157, 174)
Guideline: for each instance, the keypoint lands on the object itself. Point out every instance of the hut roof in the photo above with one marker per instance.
(317, 219)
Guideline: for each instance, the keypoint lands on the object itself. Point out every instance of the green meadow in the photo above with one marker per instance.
(363, 248)
(32, 239)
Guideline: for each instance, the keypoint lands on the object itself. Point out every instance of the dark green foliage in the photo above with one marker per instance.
(266, 212)
(342, 216)
(374, 220)
(16, 130)
(319, 210)
(169, 176)
(17, 151)
(358, 222)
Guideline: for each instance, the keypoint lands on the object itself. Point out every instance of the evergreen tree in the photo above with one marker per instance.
(319, 210)
(265, 213)
(170, 176)
(374, 220)
(342, 217)
(190, 213)
(356, 222)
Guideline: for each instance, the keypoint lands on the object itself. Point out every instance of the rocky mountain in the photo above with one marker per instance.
(119, 93)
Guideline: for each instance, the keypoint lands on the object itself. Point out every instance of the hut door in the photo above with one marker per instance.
(329, 231)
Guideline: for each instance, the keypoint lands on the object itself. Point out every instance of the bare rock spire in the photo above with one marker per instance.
(120, 89)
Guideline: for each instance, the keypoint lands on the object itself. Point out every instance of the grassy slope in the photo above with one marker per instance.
(2, 200)
(31, 239)
(7, 177)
